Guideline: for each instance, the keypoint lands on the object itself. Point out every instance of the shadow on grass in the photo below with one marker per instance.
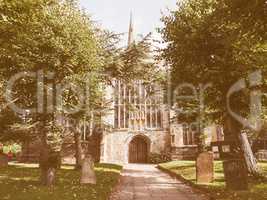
(182, 167)
(18, 183)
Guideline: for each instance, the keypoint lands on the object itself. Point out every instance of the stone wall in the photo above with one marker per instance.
(184, 153)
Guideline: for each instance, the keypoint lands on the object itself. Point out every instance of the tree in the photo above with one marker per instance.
(135, 62)
(84, 118)
(55, 41)
(218, 42)
(46, 37)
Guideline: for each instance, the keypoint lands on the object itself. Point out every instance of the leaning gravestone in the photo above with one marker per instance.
(205, 167)
(3, 160)
(235, 174)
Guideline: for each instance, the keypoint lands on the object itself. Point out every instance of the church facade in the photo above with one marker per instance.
(139, 124)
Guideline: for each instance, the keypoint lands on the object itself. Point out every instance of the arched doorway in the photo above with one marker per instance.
(138, 150)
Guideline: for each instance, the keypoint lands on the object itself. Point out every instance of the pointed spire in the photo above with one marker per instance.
(131, 31)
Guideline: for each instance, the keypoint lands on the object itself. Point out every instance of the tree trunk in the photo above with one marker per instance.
(48, 176)
(43, 163)
(249, 158)
(201, 142)
(200, 138)
(48, 168)
(78, 150)
(88, 173)
(49, 160)
(234, 129)
(48, 165)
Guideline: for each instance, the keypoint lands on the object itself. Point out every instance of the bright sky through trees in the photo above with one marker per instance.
(114, 14)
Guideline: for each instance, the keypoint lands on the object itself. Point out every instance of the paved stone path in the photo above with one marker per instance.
(145, 182)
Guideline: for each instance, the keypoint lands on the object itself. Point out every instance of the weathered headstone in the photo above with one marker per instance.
(88, 173)
(235, 173)
(3, 160)
(205, 167)
(216, 152)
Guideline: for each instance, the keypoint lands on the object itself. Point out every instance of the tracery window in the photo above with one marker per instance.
(137, 106)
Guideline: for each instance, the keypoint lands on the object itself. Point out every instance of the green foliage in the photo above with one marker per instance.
(52, 36)
(58, 37)
(55, 138)
(7, 119)
(156, 158)
(14, 148)
(136, 62)
(216, 42)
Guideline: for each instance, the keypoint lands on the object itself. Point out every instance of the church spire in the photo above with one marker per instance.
(131, 31)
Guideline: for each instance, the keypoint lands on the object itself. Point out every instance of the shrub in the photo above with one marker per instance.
(157, 158)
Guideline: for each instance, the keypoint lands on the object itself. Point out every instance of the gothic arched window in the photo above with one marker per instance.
(137, 107)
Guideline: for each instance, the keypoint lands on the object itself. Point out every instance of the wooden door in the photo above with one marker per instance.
(138, 151)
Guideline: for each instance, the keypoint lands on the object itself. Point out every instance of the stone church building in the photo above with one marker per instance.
(140, 124)
(138, 121)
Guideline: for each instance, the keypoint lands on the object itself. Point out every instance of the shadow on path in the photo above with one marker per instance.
(146, 182)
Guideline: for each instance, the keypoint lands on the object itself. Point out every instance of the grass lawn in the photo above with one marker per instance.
(257, 190)
(20, 182)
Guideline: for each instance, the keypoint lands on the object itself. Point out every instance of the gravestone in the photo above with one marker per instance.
(235, 173)
(205, 167)
(261, 155)
(216, 152)
(3, 160)
(88, 173)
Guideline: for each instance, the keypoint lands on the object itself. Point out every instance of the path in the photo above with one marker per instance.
(145, 182)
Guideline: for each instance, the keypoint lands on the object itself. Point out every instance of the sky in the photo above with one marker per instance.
(114, 15)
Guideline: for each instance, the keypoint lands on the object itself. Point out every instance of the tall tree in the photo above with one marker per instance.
(52, 38)
(218, 42)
